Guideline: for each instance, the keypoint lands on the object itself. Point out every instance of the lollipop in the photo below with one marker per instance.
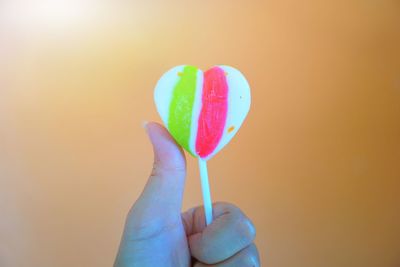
(203, 111)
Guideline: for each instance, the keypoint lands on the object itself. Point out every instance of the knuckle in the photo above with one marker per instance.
(160, 169)
(226, 207)
(155, 171)
(139, 232)
(250, 261)
(251, 257)
(209, 254)
(246, 229)
(139, 227)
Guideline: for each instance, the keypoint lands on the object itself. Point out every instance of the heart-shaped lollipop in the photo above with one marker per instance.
(203, 111)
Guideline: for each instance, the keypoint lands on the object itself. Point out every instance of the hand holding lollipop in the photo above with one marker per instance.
(202, 112)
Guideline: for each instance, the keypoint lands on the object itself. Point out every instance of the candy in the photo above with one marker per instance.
(203, 111)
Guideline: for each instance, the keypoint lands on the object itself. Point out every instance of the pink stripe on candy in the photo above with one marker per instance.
(213, 112)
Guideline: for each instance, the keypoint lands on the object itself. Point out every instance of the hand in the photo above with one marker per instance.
(157, 234)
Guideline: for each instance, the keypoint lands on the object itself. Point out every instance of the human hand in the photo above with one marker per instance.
(157, 234)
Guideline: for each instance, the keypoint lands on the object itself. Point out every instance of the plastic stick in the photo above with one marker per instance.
(205, 187)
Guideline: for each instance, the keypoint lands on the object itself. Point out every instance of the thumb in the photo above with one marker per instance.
(159, 205)
(161, 199)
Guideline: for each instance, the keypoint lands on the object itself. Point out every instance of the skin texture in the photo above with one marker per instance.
(157, 233)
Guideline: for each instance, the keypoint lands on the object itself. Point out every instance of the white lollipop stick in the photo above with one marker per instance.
(205, 188)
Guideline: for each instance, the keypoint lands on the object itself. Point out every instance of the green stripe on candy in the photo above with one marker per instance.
(181, 106)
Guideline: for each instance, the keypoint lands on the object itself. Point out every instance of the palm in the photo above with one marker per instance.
(168, 247)
(157, 243)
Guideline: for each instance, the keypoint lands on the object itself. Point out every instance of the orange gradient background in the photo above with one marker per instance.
(316, 164)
